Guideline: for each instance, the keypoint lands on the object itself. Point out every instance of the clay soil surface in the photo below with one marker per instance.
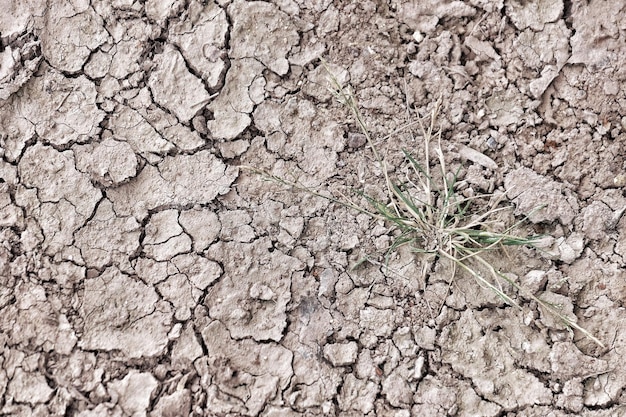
(144, 272)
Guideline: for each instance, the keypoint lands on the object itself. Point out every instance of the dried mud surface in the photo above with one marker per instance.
(144, 273)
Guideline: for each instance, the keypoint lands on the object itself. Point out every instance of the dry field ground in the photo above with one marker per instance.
(144, 272)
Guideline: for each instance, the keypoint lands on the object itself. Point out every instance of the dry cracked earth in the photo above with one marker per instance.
(144, 272)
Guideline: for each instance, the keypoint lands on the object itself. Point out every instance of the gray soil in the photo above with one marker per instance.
(143, 272)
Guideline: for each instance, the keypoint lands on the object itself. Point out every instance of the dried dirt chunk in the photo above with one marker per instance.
(58, 109)
(110, 162)
(129, 125)
(505, 107)
(8, 172)
(202, 40)
(236, 226)
(357, 395)
(10, 214)
(161, 227)
(568, 362)
(175, 88)
(179, 180)
(183, 137)
(164, 237)
(150, 271)
(253, 373)
(341, 354)
(488, 362)
(70, 195)
(482, 49)
(200, 177)
(108, 238)
(268, 43)
(304, 123)
(30, 320)
(597, 41)
(178, 290)
(125, 57)
(200, 271)
(547, 50)
(238, 301)
(571, 248)
(435, 397)
(123, 314)
(14, 133)
(175, 404)
(202, 225)
(550, 46)
(313, 382)
(160, 10)
(186, 348)
(232, 107)
(28, 387)
(72, 31)
(534, 14)
(529, 191)
(397, 390)
(251, 53)
(17, 65)
(424, 16)
(133, 392)
(477, 157)
(19, 15)
(152, 129)
(379, 322)
(79, 367)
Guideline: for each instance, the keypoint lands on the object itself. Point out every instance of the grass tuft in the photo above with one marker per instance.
(440, 224)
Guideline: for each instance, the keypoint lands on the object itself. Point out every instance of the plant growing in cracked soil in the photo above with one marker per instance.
(437, 221)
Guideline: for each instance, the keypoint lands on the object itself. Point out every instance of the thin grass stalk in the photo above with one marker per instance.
(523, 291)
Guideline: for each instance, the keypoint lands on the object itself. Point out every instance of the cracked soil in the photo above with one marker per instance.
(143, 272)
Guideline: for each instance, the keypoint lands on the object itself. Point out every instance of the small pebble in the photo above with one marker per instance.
(356, 140)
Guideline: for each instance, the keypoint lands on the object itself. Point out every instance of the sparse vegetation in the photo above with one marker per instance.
(435, 219)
